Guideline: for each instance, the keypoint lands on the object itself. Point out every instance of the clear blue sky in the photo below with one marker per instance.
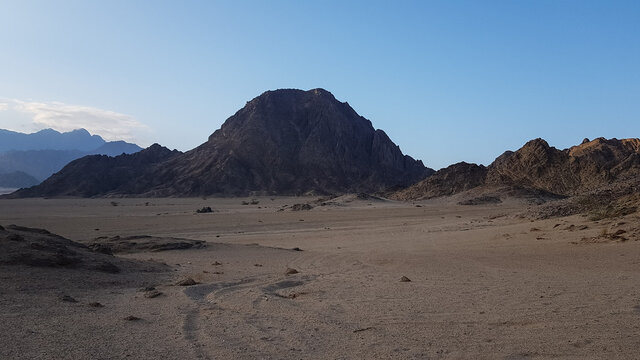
(447, 80)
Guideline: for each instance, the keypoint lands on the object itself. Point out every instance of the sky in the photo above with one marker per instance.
(448, 81)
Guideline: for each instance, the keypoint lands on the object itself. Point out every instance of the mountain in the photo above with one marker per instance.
(43, 153)
(115, 148)
(38, 163)
(95, 175)
(540, 168)
(17, 179)
(451, 180)
(49, 139)
(581, 168)
(293, 142)
(282, 142)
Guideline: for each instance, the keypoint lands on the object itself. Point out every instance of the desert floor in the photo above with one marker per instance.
(485, 283)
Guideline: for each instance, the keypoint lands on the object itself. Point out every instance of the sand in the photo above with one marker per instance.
(484, 283)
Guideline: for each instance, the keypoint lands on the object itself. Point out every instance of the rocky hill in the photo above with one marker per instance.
(540, 168)
(293, 142)
(448, 181)
(581, 168)
(99, 175)
(282, 142)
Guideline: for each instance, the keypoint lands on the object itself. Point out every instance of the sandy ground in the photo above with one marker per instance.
(485, 284)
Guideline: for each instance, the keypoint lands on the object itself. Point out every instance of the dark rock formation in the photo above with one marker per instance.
(142, 243)
(580, 168)
(448, 181)
(538, 168)
(39, 248)
(282, 142)
(292, 142)
(97, 175)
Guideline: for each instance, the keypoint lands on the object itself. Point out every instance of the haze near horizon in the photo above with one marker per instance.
(447, 81)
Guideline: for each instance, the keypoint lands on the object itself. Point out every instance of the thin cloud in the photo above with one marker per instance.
(62, 117)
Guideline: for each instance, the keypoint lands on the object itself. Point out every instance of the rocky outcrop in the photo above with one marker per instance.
(581, 168)
(540, 168)
(100, 175)
(448, 181)
(23, 246)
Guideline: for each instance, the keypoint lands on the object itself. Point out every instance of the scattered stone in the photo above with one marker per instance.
(217, 263)
(67, 298)
(142, 243)
(106, 267)
(218, 272)
(205, 209)
(363, 329)
(187, 282)
(15, 237)
(301, 207)
(405, 279)
(296, 249)
(291, 271)
(101, 248)
(132, 318)
(152, 294)
(96, 304)
(257, 265)
(481, 200)
(534, 229)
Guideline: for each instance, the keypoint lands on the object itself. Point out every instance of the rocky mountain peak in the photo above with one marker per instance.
(284, 141)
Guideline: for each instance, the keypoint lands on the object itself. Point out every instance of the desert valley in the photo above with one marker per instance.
(299, 231)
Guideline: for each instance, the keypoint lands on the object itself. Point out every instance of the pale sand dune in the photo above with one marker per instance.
(485, 284)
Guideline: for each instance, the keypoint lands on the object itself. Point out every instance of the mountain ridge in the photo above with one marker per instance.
(35, 157)
(285, 141)
(537, 166)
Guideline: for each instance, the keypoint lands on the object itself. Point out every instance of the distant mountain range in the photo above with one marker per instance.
(27, 159)
(294, 142)
(282, 142)
(49, 139)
